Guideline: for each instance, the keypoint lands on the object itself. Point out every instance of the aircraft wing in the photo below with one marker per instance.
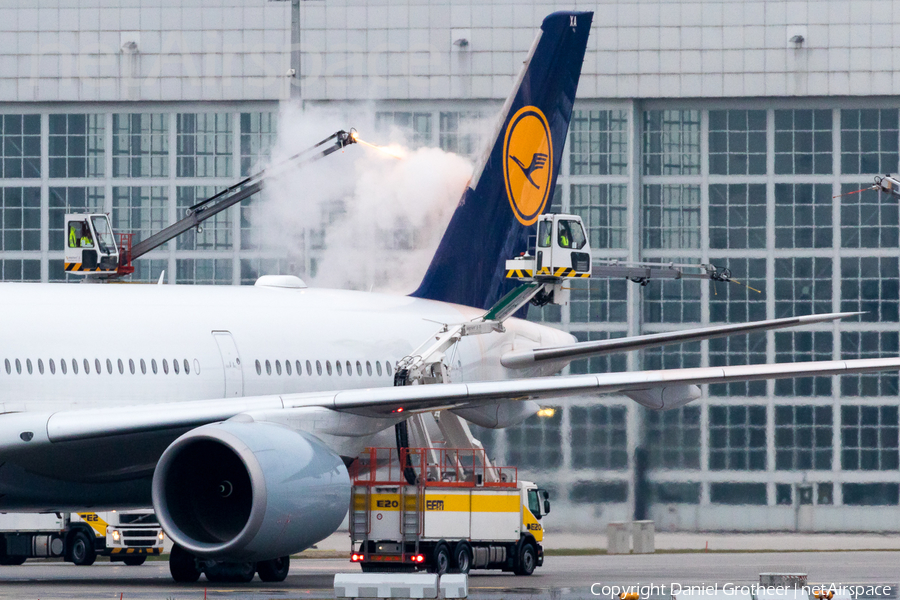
(526, 358)
(76, 425)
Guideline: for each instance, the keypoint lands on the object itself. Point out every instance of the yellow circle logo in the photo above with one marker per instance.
(528, 163)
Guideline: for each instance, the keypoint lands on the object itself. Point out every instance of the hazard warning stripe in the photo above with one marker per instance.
(560, 272)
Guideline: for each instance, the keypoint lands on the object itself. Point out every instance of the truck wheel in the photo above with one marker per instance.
(134, 561)
(183, 565)
(527, 560)
(275, 569)
(462, 558)
(83, 553)
(441, 559)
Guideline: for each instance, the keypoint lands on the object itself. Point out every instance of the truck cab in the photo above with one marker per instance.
(90, 244)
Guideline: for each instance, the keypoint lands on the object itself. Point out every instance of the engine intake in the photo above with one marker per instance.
(249, 491)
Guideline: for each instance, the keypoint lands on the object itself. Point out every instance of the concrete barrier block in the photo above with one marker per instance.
(454, 586)
(643, 537)
(385, 585)
(617, 541)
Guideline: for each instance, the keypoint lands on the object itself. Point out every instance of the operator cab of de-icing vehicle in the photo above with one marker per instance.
(90, 244)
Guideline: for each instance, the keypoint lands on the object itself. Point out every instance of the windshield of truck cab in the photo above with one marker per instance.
(534, 503)
(105, 237)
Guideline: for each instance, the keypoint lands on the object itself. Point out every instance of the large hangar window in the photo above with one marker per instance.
(141, 210)
(803, 215)
(536, 444)
(803, 438)
(671, 142)
(868, 220)
(871, 284)
(673, 438)
(598, 300)
(869, 140)
(204, 271)
(737, 303)
(415, 127)
(737, 142)
(803, 143)
(671, 216)
(20, 212)
(737, 438)
(140, 145)
(598, 142)
(77, 145)
(737, 215)
(607, 363)
(869, 438)
(599, 437)
(205, 142)
(462, 132)
(737, 493)
(258, 133)
(802, 285)
(20, 146)
(604, 210)
(672, 300)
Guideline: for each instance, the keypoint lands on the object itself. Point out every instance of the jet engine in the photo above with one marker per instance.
(248, 491)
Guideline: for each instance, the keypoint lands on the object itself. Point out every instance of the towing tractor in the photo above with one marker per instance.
(460, 514)
(124, 536)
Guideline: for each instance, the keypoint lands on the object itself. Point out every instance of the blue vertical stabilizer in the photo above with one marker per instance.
(515, 180)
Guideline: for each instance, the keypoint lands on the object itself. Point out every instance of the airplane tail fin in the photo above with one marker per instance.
(515, 179)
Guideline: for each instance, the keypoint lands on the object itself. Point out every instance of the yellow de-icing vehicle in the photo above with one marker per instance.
(459, 513)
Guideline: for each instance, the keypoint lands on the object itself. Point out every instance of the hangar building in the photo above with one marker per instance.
(708, 131)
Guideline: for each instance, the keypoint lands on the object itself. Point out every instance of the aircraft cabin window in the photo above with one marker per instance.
(143, 367)
(299, 368)
(387, 367)
(337, 365)
(319, 367)
(358, 368)
(187, 367)
(62, 365)
(28, 365)
(18, 367)
(258, 367)
(175, 365)
(52, 367)
(369, 368)
(309, 368)
(40, 366)
(287, 367)
(74, 367)
(8, 368)
(378, 368)
(97, 367)
(349, 368)
(121, 366)
(131, 365)
(153, 365)
(327, 366)
(196, 366)
(109, 366)
(268, 368)
(165, 367)
(278, 367)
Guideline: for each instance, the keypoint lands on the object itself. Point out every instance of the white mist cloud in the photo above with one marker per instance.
(382, 217)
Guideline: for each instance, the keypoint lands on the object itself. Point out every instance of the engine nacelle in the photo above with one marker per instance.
(242, 491)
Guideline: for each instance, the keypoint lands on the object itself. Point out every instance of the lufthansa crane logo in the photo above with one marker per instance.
(528, 163)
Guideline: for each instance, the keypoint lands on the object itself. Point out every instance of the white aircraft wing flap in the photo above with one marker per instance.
(525, 358)
(96, 423)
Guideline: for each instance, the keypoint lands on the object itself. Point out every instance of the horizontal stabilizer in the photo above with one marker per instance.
(526, 358)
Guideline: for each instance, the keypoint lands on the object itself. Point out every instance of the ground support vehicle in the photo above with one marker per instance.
(129, 536)
(461, 513)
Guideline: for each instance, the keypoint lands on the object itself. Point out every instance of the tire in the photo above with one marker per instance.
(134, 561)
(275, 569)
(462, 558)
(440, 561)
(82, 551)
(12, 561)
(183, 565)
(527, 560)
